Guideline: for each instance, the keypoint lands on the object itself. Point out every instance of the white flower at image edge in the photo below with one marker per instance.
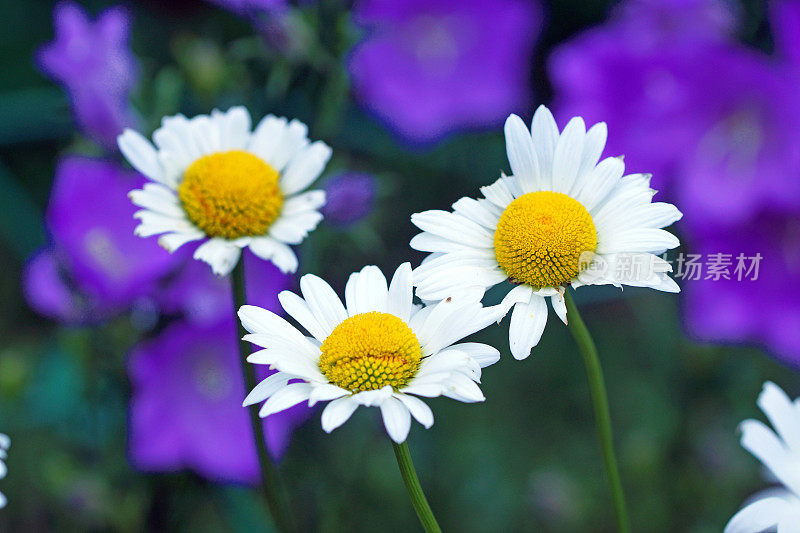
(779, 452)
(5, 444)
(562, 219)
(376, 350)
(213, 179)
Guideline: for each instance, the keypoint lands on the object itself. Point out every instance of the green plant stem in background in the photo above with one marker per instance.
(414, 489)
(602, 418)
(269, 474)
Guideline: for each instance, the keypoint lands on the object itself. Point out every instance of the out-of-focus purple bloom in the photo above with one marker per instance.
(201, 297)
(714, 121)
(711, 119)
(91, 222)
(350, 197)
(50, 292)
(96, 265)
(785, 22)
(187, 409)
(765, 310)
(430, 67)
(247, 7)
(93, 62)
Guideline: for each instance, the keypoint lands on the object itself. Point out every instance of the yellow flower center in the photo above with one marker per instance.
(540, 238)
(369, 351)
(231, 194)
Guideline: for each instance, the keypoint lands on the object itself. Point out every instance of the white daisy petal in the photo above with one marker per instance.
(396, 418)
(401, 293)
(266, 388)
(337, 413)
(483, 354)
(779, 409)
(280, 254)
(173, 241)
(757, 517)
(287, 397)
(266, 138)
(777, 507)
(453, 227)
(299, 310)
(157, 202)
(427, 242)
(367, 291)
(325, 392)
(560, 306)
(567, 155)
(206, 133)
(527, 325)
(521, 154)
(418, 409)
(519, 294)
(288, 362)
(293, 139)
(460, 387)
(447, 281)
(593, 145)
(323, 302)
(292, 229)
(545, 136)
(220, 254)
(305, 167)
(258, 320)
(303, 203)
(373, 398)
(600, 181)
(498, 193)
(234, 127)
(481, 211)
(140, 154)
(637, 240)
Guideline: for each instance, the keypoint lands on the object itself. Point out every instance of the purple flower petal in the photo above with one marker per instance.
(428, 68)
(187, 409)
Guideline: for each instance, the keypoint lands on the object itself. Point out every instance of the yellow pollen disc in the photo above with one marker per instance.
(231, 194)
(540, 238)
(369, 351)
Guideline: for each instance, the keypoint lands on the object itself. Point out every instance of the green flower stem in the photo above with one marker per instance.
(602, 417)
(414, 489)
(269, 474)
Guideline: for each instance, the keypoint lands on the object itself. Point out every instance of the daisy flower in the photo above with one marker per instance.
(5, 444)
(216, 181)
(376, 350)
(561, 219)
(779, 452)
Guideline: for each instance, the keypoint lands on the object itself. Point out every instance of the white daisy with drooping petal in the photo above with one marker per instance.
(5, 444)
(779, 452)
(376, 350)
(560, 219)
(216, 180)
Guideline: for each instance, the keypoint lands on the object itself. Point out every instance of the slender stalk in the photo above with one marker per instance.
(269, 474)
(602, 418)
(414, 489)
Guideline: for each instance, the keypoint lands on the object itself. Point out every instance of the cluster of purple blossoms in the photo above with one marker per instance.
(714, 121)
(92, 61)
(96, 268)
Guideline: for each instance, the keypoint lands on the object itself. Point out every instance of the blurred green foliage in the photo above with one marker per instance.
(526, 460)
